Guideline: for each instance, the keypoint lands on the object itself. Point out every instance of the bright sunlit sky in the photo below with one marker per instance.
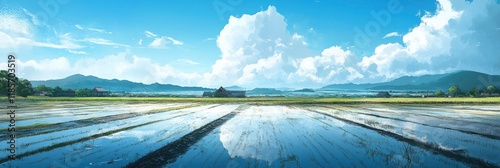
(250, 43)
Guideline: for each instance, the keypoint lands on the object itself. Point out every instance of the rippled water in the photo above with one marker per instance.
(240, 135)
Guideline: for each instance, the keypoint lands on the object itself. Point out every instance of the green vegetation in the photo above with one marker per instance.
(278, 100)
(58, 91)
(454, 91)
(490, 89)
(474, 92)
(23, 86)
(43, 88)
(83, 92)
(439, 93)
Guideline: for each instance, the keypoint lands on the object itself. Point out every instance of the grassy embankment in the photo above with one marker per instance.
(274, 100)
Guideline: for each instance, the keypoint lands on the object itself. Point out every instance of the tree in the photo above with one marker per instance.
(58, 91)
(439, 93)
(24, 88)
(490, 89)
(3, 82)
(82, 92)
(474, 92)
(454, 91)
(43, 88)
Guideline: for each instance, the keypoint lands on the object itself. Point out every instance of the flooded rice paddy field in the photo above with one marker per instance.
(113, 134)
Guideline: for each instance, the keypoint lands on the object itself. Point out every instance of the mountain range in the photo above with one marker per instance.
(466, 80)
(79, 81)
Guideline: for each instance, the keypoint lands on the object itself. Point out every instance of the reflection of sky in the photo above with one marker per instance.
(59, 115)
(274, 134)
(132, 133)
(427, 127)
(118, 149)
(281, 136)
(238, 139)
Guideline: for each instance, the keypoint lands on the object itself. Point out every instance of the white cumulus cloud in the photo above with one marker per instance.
(456, 37)
(92, 29)
(186, 61)
(335, 65)
(392, 34)
(17, 31)
(161, 42)
(120, 66)
(102, 41)
(256, 49)
(77, 52)
(150, 34)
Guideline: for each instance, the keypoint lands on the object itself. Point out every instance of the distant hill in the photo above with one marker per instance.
(285, 89)
(466, 80)
(304, 90)
(264, 91)
(234, 88)
(79, 81)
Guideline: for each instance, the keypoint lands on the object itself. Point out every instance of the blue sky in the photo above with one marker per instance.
(265, 43)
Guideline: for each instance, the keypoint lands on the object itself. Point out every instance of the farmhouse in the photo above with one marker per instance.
(490, 95)
(43, 93)
(383, 94)
(70, 93)
(99, 91)
(207, 94)
(222, 92)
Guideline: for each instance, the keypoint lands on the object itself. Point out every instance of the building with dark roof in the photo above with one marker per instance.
(222, 92)
(207, 94)
(99, 91)
(383, 94)
(70, 93)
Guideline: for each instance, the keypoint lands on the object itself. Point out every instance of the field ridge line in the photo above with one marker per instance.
(424, 124)
(62, 144)
(55, 127)
(468, 160)
(171, 151)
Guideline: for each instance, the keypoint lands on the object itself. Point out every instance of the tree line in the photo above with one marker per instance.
(25, 89)
(58, 91)
(455, 91)
(23, 86)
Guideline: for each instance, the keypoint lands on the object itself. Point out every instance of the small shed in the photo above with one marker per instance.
(207, 94)
(222, 92)
(43, 93)
(383, 94)
(99, 91)
(70, 93)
